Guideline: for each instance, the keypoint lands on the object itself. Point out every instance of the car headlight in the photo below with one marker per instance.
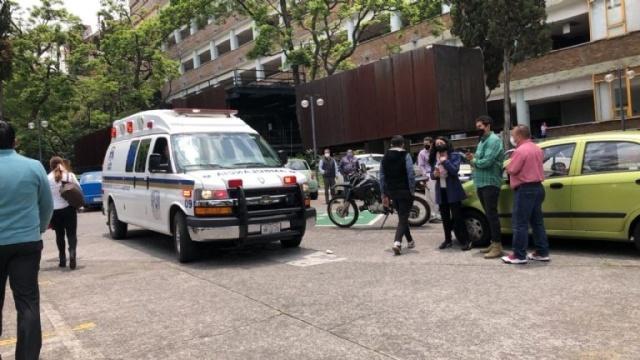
(206, 194)
(305, 187)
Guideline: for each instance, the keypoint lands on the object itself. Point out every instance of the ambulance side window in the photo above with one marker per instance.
(143, 152)
(131, 156)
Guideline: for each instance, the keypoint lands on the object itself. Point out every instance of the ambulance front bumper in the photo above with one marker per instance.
(250, 228)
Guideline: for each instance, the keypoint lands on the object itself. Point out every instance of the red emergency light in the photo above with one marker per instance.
(290, 180)
(130, 127)
(235, 183)
(114, 132)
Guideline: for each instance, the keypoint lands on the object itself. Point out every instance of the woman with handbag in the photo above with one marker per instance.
(445, 165)
(65, 217)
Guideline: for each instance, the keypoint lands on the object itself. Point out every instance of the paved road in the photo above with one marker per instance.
(131, 300)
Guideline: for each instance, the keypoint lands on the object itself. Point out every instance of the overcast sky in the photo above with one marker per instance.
(84, 9)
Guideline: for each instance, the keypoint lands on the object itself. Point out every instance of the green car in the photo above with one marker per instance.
(301, 166)
(592, 190)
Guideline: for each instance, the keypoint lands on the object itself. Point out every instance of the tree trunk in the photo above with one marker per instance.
(1, 100)
(295, 70)
(507, 99)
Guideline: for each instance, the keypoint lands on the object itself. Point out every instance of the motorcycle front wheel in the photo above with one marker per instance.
(420, 212)
(342, 212)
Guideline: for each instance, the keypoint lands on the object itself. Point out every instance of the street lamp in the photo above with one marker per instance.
(629, 74)
(313, 101)
(40, 125)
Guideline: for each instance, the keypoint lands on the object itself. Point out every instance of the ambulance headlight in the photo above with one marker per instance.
(206, 194)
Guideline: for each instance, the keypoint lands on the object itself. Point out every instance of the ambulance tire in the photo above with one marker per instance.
(184, 246)
(291, 243)
(117, 229)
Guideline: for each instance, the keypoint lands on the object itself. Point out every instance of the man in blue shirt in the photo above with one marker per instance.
(26, 207)
(398, 183)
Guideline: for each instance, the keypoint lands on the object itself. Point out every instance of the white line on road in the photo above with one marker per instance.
(66, 335)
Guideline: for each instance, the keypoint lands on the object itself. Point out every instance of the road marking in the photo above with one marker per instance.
(45, 335)
(364, 219)
(316, 258)
(67, 336)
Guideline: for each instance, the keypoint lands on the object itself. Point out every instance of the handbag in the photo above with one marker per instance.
(72, 193)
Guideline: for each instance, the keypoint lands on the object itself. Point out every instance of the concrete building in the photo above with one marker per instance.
(567, 88)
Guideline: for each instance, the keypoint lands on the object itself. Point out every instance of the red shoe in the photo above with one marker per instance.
(512, 259)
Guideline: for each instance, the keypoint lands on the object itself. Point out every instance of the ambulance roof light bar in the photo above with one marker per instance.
(204, 112)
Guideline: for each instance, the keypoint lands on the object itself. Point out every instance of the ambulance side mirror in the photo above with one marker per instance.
(284, 158)
(156, 165)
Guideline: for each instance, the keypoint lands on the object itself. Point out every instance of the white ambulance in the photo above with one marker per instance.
(201, 176)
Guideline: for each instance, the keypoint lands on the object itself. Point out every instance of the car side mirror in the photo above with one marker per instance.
(156, 165)
(284, 157)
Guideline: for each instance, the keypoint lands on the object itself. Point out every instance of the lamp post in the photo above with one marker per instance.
(620, 73)
(40, 125)
(312, 101)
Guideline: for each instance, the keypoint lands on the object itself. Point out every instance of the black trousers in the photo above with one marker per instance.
(452, 219)
(20, 263)
(402, 202)
(65, 222)
(329, 183)
(489, 196)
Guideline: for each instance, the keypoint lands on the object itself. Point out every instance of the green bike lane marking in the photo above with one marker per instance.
(364, 219)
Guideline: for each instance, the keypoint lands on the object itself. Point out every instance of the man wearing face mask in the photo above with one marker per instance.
(527, 175)
(487, 177)
(349, 166)
(423, 164)
(328, 168)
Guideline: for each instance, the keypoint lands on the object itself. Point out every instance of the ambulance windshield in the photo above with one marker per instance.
(222, 151)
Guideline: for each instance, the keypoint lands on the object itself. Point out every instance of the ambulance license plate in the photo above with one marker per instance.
(267, 229)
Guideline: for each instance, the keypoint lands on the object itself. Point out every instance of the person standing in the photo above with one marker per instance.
(65, 216)
(487, 166)
(445, 165)
(349, 166)
(430, 188)
(527, 175)
(398, 183)
(25, 210)
(543, 130)
(328, 168)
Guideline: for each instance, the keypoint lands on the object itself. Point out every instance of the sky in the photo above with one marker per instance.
(84, 9)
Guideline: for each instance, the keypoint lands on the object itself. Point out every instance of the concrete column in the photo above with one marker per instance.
(196, 60)
(233, 39)
(351, 28)
(259, 70)
(163, 46)
(181, 68)
(176, 34)
(255, 30)
(522, 109)
(396, 21)
(194, 27)
(210, 20)
(213, 50)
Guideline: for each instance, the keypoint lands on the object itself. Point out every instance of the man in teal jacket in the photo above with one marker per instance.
(487, 177)
(26, 207)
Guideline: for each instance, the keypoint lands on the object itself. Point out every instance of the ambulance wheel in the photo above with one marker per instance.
(291, 243)
(117, 229)
(185, 248)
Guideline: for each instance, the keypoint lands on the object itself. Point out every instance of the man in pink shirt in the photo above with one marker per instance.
(526, 177)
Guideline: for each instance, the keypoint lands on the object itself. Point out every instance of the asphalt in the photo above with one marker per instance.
(130, 299)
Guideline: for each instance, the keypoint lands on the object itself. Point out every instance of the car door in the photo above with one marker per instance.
(124, 198)
(159, 197)
(559, 169)
(608, 188)
(141, 193)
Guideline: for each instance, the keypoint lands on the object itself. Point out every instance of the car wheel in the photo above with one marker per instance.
(477, 227)
(117, 229)
(314, 195)
(185, 247)
(291, 243)
(636, 235)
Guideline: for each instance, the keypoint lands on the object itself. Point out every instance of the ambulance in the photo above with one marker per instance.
(201, 176)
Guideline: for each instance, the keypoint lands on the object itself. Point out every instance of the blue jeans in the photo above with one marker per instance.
(527, 210)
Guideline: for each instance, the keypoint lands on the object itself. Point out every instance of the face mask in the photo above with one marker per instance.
(441, 148)
(427, 147)
(327, 154)
(513, 141)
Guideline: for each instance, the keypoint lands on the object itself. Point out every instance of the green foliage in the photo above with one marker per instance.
(6, 51)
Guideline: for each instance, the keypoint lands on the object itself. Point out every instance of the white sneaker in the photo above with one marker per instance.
(397, 246)
(512, 259)
(411, 244)
(534, 256)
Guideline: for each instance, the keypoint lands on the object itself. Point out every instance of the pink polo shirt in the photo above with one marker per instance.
(526, 164)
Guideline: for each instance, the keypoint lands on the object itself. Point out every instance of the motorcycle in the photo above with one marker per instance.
(343, 210)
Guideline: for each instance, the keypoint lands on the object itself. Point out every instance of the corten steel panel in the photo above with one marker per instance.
(335, 119)
(90, 150)
(385, 102)
(369, 120)
(304, 119)
(424, 85)
(472, 84)
(405, 94)
(353, 105)
(449, 89)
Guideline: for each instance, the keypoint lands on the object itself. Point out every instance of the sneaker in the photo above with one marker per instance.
(495, 252)
(397, 246)
(534, 256)
(487, 249)
(512, 259)
(411, 244)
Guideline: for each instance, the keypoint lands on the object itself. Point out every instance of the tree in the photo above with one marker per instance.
(6, 53)
(507, 32)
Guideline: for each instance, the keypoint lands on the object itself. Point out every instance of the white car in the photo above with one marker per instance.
(372, 162)
(201, 176)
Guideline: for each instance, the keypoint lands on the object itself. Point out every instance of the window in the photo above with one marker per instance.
(611, 156)
(131, 156)
(616, 22)
(635, 96)
(295, 164)
(143, 152)
(161, 147)
(557, 160)
(205, 56)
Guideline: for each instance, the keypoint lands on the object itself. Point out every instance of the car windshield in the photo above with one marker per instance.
(222, 151)
(91, 177)
(297, 165)
(371, 160)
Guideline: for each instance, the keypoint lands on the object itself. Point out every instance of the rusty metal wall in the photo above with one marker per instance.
(437, 89)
